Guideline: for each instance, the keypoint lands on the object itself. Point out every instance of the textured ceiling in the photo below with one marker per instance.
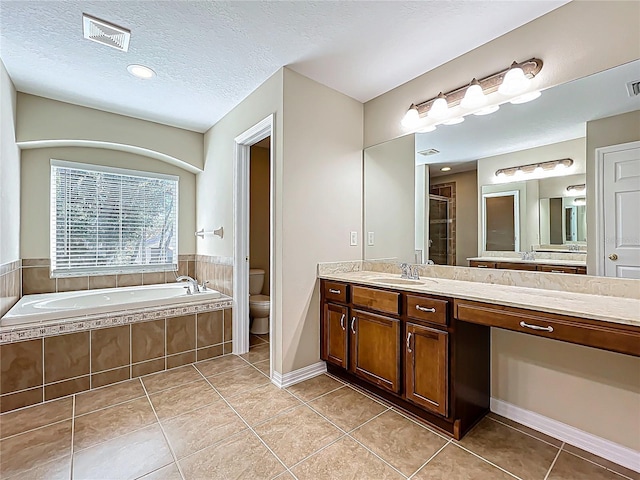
(210, 55)
(559, 114)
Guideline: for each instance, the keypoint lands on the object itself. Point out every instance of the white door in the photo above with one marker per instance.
(621, 210)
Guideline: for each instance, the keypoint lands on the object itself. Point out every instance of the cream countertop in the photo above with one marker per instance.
(596, 307)
(541, 261)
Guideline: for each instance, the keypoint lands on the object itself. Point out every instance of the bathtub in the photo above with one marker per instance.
(46, 307)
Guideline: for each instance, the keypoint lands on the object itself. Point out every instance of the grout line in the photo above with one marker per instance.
(73, 429)
(555, 459)
(435, 432)
(375, 454)
(484, 459)
(429, 459)
(249, 427)
(522, 431)
(313, 454)
(164, 434)
(596, 463)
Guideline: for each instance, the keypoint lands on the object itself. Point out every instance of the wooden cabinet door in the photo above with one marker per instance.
(426, 368)
(334, 334)
(375, 349)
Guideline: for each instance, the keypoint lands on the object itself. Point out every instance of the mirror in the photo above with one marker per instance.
(436, 196)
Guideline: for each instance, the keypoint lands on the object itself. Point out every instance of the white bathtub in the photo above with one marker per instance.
(45, 307)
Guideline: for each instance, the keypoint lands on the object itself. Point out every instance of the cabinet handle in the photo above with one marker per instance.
(409, 342)
(536, 327)
(557, 271)
(334, 291)
(425, 309)
(353, 330)
(342, 320)
(482, 266)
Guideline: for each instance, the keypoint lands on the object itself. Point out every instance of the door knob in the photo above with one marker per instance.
(613, 257)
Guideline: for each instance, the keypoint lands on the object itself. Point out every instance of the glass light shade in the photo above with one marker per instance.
(454, 121)
(514, 82)
(140, 71)
(560, 166)
(411, 118)
(473, 97)
(445, 169)
(519, 173)
(488, 110)
(580, 201)
(538, 170)
(501, 174)
(427, 129)
(439, 108)
(527, 97)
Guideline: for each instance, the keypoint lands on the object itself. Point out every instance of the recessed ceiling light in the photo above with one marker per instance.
(445, 169)
(141, 71)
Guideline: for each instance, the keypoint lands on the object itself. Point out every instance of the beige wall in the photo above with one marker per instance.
(575, 40)
(9, 172)
(602, 133)
(466, 213)
(35, 181)
(321, 204)
(259, 211)
(43, 122)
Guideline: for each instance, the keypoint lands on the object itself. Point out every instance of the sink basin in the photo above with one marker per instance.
(400, 281)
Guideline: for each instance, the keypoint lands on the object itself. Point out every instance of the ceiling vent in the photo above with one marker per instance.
(633, 88)
(105, 33)
(429, 151)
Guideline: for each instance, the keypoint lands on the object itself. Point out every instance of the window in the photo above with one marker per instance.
(108, 220)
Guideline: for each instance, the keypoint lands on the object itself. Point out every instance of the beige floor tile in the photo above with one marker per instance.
(127, 457)
(522, 428)
(264, 367)
(238, 381)
(103, 425)
(399, 441)
(242, 456)
(347, 408)
(454, 463)
(108, 396)
(37, 416)
(201, 428)
(570, 467)
(314, 387)
(170, 472)
(255, 340)
(35, 448)
(603, 462)
(59, 469)
(345, 459)
(256, 354)
(516, 452)
(171, 378)
(285, 476)
(220, 365)
(177, 400)
(262, 403)
(297, 434)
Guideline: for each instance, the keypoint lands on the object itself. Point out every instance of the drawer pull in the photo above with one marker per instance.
(334, 291)
(409, 342)
(536, 327)
(482, 266)
(342, 320)
(353, 330)
(557, 271)
(425, 309)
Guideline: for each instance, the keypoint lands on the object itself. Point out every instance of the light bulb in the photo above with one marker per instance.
(501, 174)
(488, 110)
(580, 201)
(427, 129)
(474, 96)
(538, 170)
(454, 121)
(411, 118)
(514, 81)
(445, 169)
(439, 108)
(519, 172)
(527, 97)
(560, 166)
(141, 71)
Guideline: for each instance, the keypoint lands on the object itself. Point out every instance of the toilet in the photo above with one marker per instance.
(258, 304)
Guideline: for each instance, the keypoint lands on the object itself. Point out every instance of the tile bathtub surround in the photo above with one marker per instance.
(178, 425)
(10, 285)
(217, 270)
(42, 369)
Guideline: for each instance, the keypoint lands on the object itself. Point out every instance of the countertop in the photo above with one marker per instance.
(596, 307)
(542, 261)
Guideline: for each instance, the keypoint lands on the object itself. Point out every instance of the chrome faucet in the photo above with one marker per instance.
(409, 271)
(528, 255)
(191, 289)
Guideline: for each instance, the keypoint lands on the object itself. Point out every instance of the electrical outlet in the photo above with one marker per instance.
(370, 239)
(354, 239)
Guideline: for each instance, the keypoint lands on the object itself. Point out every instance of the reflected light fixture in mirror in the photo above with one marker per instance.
(580, 201)
(577, 189)
(534, 168)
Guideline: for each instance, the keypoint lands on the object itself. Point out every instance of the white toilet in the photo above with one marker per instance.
(258, 304)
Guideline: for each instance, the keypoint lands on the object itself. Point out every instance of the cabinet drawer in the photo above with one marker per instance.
(380, 300)
(475, 263)
(615, 337)
(517, 266)
(428, 309)
(557, 269)
(335, 291)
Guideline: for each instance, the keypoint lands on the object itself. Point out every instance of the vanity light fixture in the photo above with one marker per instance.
(534, 168)
(140, 71)
(445, 169)
(577, 188)
(511, 83)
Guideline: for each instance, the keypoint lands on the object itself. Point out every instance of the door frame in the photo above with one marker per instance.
(241, 188)
(599, 199)
(516, 216)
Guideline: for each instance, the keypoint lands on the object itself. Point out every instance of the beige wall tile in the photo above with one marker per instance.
(145, 368)
(109, 348)
(181, 334)
(72, 284)
(109, 377)
(152, 278)
(129, 279)
(20, 365)
(228, 325)
(21, 399)
(181, 359)
(68, 387)
(210, 326)
(66, 356)
(209, 352)
(36, 280)
(147, 340)
(102, 281)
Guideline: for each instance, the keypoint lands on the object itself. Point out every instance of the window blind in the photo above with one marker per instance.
(107, 220)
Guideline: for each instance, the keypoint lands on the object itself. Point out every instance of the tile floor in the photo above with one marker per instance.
(223, 419)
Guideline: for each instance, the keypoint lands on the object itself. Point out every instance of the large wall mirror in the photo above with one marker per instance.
(442, 197)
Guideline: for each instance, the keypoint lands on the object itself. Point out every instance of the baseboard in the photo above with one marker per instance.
(286, 380)
(614, 452)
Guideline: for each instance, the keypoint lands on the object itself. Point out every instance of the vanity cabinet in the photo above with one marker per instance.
(529, 266)
(335, 338)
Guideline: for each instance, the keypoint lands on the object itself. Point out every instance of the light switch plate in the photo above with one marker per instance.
(370, 239)
(354, 239)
